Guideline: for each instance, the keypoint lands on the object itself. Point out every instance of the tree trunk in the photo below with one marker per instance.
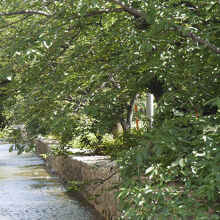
(126, 125)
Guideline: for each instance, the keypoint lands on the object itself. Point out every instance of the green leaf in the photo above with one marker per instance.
(149, 169)
(159, 151)
(218, 177)
(83, 9)
(182, 162)
(175, 163)
(130, 213)
(159, 27)
(217, 157)
(149, 19)
(145, 152)
(184, 32)
(11, 148)
(148, 46)
(214, 102)
(148, 191)
(139, 158)
(209, 6)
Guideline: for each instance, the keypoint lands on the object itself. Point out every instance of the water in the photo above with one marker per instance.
(29, 192)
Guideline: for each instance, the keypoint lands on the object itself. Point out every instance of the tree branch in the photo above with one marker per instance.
(130, 10)
(203, 42)
(24, 12)
(89, 14)
(191, 35)
(199, 40)
(101, 181)
(105, 83)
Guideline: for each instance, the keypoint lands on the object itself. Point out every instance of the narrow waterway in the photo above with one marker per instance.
(28, 191)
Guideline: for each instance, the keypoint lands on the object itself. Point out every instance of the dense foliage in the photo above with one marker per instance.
(76, 68)
(3, 96)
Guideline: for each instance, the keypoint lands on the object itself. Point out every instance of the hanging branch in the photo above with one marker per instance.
(203, 42)
(191, 35)
(106, 11)
(130, 10)
(24, 12)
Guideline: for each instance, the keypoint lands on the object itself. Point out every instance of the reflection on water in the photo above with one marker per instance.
(29, 192)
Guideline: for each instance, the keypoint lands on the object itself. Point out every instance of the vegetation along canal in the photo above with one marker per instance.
(28, 191)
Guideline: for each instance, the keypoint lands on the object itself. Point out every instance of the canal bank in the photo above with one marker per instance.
(29, 191)
(98, 172)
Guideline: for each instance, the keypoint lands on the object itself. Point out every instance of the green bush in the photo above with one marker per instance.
(173, 171)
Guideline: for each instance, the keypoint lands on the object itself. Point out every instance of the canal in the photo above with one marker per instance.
(29, 191)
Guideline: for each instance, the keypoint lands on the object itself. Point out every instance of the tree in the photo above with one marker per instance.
(78, 66)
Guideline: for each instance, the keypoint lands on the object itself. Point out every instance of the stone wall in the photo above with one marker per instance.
(99, 171)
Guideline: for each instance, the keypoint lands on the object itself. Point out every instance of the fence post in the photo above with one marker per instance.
(150, 107)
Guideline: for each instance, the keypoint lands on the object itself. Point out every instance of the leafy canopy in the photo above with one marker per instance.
(77, 67)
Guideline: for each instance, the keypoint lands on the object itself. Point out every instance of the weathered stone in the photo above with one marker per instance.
(98, 171)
